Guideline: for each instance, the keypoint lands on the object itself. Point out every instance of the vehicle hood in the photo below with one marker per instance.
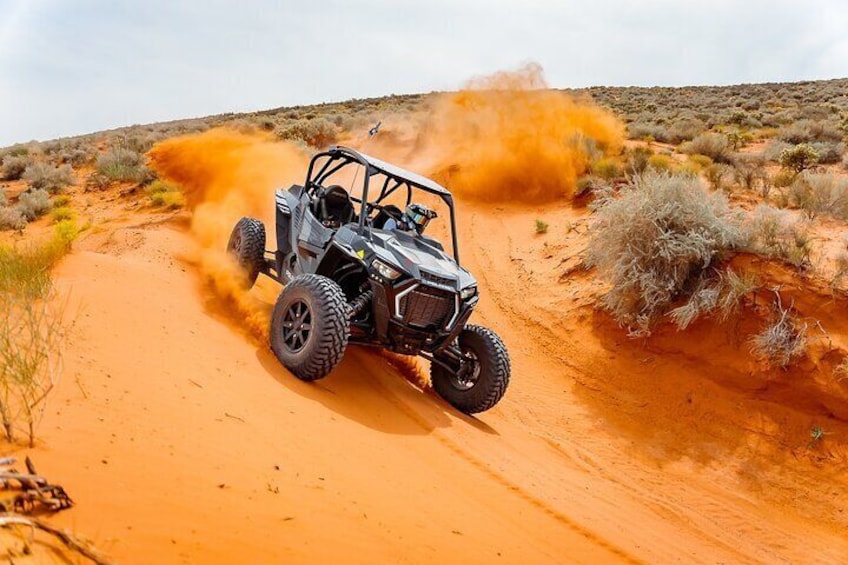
(417, 257)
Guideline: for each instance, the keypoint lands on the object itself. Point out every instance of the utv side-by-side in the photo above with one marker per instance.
(353, 274)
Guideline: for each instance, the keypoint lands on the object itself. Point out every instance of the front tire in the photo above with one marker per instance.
(485, 380)
(309, 326)
(247, 247)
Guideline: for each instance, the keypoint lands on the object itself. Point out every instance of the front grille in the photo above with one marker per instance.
(425, 307)
(436, 279)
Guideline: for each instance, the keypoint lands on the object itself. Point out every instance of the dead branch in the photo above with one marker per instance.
(69, 540)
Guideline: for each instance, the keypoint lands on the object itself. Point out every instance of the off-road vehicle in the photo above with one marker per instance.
(353, 274)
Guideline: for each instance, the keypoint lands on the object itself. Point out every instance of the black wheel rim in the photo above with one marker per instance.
(467, 376)
(297, 326)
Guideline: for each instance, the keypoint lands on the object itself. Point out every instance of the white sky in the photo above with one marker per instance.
(72, 67)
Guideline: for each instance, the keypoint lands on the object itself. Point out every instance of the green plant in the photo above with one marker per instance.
(61, 200)
(31, 330)
(798, 158)
(170, 200)
(541, 227)
(654, 241)
(607, 168)
(660, 163)
(62, 213)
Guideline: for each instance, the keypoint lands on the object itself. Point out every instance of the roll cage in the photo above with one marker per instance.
(395, 178)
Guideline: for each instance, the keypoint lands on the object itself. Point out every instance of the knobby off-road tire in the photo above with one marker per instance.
(247, 245)
(481, 393)
(309, 326)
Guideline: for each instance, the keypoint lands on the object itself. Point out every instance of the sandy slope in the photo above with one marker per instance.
(182, 440)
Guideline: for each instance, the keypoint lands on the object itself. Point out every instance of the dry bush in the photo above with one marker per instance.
(44, 176)
(820, 194)
(829, 152)
(34, 204)
(716, 146)
(654, 241)
(719, 176)
(805, 131)
(750, 170)
(722, 298)
(685, 129)
(779, 234)
(11, 218)
(318, 132)
(13, 166)
(636, 160)
(31, 330)
(783, 340)
(120, 164)
(607, 169)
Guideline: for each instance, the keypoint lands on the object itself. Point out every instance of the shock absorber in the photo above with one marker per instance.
(358, 305)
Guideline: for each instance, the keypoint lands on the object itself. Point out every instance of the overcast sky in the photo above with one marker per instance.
(72, 67)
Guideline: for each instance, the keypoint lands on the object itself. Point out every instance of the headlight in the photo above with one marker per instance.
(468, 292)
(385, 270)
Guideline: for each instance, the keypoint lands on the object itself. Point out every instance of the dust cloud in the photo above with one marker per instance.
(508, 137)
(226, 175)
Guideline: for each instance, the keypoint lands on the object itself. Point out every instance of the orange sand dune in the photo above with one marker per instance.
(183, 441)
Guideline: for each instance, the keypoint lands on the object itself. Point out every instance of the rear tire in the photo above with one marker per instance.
(488, 377)
(247, 246)
(309, 326)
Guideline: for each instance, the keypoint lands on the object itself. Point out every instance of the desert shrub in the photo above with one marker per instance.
(165, 194)
(607, 168)
(821, 194)
(798, 158)
(636, 160)
(62, 213)
(685, 129)
(660, 163)
(541, 227)
(779, 234)
(749, 170)
(3, 198)
(782, 341)
(170, 200)
(719, 176)
(700, 161)
(716, 146)
(721, 298)
(34, 204)
(11, 218)
(61, 200)
(774, 149)
(318, 132)
(829, 152)
(654, 241)
(588, 184)
(31, 331)
(805, 131)
(14, 166)
(122, 165)
(845, 162)
(43, 176)
(647, 131)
